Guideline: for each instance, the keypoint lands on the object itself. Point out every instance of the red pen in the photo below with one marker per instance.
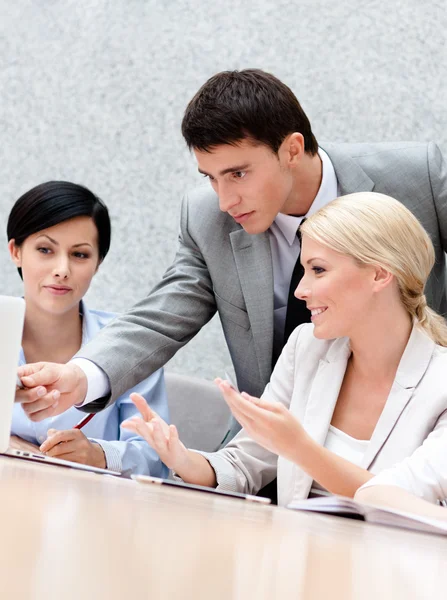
(84, 421)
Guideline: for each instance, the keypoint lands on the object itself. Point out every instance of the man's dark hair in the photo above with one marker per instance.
(236, 105)
(51, 203)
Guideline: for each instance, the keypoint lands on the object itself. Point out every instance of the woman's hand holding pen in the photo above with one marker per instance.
(73, 445)
(163, 438)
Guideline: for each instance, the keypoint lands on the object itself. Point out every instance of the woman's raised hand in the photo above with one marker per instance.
(163, 438)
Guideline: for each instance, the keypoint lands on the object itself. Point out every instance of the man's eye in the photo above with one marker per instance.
(239, 174)
(207, 176)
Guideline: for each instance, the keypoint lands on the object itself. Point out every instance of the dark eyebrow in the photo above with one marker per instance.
(48, 237)
(234, 169)
(57, 243)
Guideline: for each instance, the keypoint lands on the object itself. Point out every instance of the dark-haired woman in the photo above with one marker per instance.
(58, 235)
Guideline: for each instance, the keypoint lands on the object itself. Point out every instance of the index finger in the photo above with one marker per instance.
(29, 369)
(25, 396)
(36, 374)
(238, 403)
(57, 438)
(143, 407)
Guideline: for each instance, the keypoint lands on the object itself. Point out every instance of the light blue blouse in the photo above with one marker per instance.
(124, 451)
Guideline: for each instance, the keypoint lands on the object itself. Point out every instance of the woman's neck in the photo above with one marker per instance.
(49, 337)
(378, 345)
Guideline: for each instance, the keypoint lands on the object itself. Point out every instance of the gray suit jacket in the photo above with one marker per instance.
(219, 267)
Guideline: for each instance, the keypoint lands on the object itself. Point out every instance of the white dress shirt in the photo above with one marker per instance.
(285, 249)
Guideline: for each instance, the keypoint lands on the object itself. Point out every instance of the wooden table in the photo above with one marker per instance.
(68, 535)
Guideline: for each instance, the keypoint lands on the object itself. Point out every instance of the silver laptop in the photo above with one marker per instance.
(12, 315)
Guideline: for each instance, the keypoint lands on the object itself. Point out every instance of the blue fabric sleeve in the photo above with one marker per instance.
(131, 453)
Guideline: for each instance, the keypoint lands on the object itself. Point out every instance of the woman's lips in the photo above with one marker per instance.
(57, 290)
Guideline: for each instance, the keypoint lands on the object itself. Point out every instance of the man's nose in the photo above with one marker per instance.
(228, 199)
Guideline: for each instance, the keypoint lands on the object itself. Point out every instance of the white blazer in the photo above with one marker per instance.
(307, 380)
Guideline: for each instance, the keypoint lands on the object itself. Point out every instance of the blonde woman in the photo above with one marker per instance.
(354, 392)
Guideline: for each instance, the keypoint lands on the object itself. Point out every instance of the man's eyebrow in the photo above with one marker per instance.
(233, 169)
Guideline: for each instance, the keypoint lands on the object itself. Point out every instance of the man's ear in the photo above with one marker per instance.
(15, 253)
(295, 148)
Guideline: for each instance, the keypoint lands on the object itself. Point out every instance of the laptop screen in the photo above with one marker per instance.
(12, 315)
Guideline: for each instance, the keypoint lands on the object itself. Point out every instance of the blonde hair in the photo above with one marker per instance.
(375, 229)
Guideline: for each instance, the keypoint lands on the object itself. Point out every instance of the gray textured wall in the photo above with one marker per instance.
(94, 92)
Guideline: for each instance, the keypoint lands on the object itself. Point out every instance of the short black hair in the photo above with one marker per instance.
(236, 105)
(53, 202)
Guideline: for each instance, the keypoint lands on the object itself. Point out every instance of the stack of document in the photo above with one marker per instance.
(345, 507)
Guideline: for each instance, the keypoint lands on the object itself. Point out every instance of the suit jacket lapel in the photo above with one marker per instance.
(412, 367)
(320, 405)
(325, 389)
(253, 259)
(350, 175)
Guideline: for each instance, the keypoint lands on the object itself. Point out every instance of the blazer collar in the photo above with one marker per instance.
(416, 358)
(325, 389)
(321, 402)
(412, 368)
(350, 175)
(253, 258)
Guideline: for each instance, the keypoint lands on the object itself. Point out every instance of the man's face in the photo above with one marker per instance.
(252, 183)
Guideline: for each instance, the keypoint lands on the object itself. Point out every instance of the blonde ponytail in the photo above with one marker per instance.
(432, 323)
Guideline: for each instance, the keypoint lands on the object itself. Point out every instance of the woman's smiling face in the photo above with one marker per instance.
(337, 290)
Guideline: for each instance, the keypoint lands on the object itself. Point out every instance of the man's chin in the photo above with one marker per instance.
(254, 228)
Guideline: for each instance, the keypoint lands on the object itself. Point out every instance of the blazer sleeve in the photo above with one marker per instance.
(130, 453)
(244, 465)
(437, 169)
(424, 473)
(142, 340)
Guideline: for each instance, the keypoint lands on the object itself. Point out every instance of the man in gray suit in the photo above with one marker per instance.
(238, 242)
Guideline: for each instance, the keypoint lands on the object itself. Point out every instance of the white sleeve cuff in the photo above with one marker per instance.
(112, 454)
(98, 384)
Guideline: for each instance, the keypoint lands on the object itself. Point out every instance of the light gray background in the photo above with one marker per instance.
(94, 92)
